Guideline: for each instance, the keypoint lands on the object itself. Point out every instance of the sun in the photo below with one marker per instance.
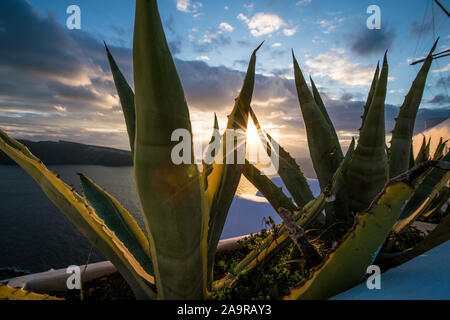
(252, 134)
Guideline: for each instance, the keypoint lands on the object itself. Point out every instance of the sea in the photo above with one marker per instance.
(35, 236)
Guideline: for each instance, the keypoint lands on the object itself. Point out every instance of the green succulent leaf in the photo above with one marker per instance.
(118, 220)
(83, 216)
(439, 152)
(437, 204)
(345, 266)
(207, 168)
(439, 235)
(323, 145)
(9, 293)
(367, 171)
(404, 125)
(224, 178)
(412, 161)
(288, 169)
(373, 86)
(170, 194)
(424, 152)
(126, 96)
(337, 197)
(271, 191)
(426, 191)
(321, 105)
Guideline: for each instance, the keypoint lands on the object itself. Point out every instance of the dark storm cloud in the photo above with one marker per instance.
(346, 96)
(175, 47)
(54, 65)
(440, 99)
(209, 88)
(368, 42)
(35, 45)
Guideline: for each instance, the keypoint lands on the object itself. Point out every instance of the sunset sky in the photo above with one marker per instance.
(55, 83)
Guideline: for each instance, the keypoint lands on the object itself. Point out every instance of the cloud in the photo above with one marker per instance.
(339, 68)
(303, 2)
(368, 42)
(444, 69)
(330, 26)
(187, 6)
(213, 38)
(202, 58)
(224, 26)
(443, 82)
(440, 99)
(175, 47)
(249, 6)
(262, 24)
(290, 32)
(70, 95)
(53, 82)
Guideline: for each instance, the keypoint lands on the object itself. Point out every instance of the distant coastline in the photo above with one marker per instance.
(71, 153)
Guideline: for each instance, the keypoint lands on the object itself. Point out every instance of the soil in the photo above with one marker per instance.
(110, 287)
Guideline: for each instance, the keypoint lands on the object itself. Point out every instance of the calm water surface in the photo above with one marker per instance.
(35, 236)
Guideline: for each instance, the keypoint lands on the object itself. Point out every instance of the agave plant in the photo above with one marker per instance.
(371, 186)
(184, 213)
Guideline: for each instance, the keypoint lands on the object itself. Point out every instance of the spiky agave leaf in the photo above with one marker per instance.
(433, 182)
(323, 145)
(9, 293)
(119, 220)
(414, 209)
(345, 266)
(337, 197)
(373, 86)
(439, 152)
(439, 235)
(83, 216)
(224, 178)
(438, 204)
(207, 168)
(424, 152)
(169, 194)
(288, 169)
(339, 180)
(270, 191)
(367, 171)
(126, 96)
(411, 158)
(321, 105)
(404, 125)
